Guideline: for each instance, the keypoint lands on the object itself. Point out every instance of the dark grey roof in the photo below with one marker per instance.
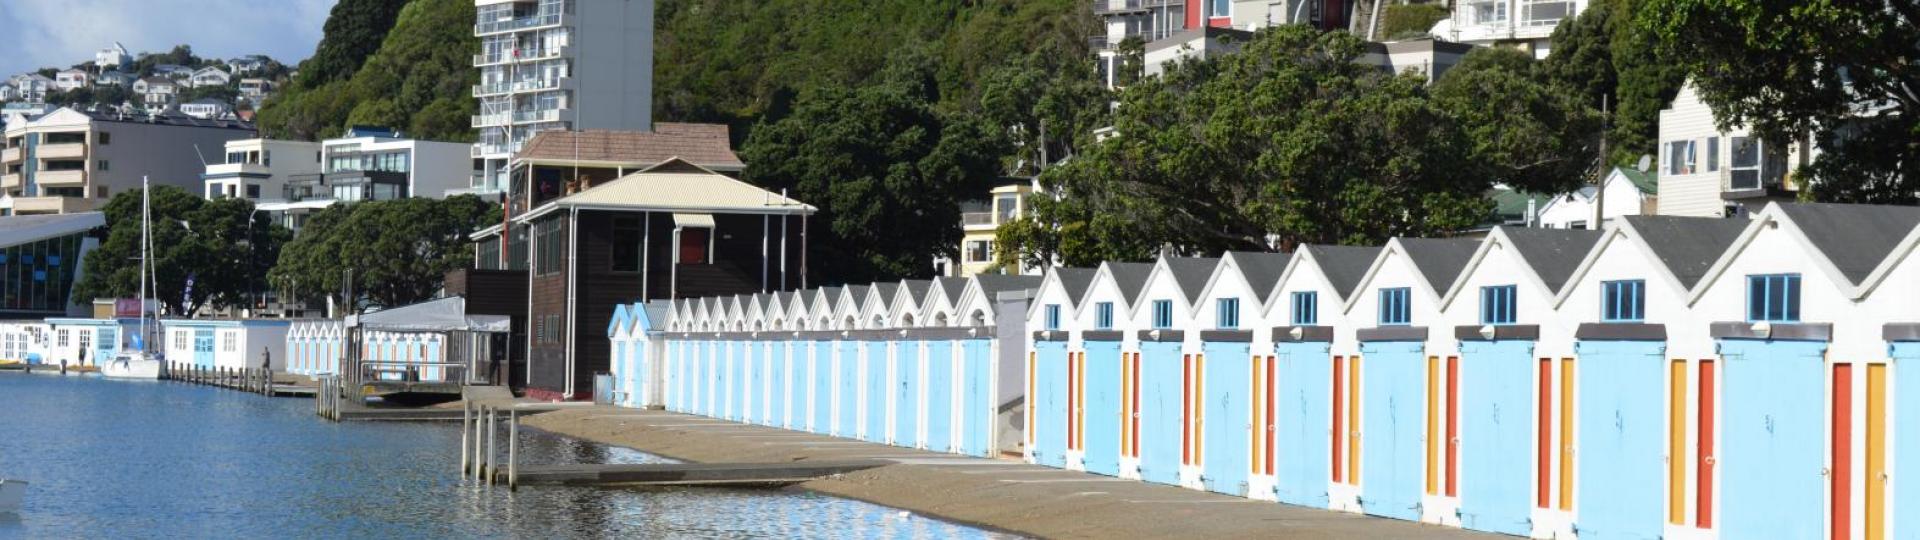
(859, 294)
(1075, 282)
(1131, 278)
(1856, 237)
(994, 284)
(656, 311)
(1688, 246)
(1440, 260)
(1191, 274)
(917, 289)
(883, 292)
(764, 299)
(952, 287)
(786, 298)
(1261, 269)
(833, 297)
(1344, 265)
(171, 119)
(1553, 253)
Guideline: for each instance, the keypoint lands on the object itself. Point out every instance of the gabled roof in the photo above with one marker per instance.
(677, 185)
(1261, 269)
(1075, 282)
(1687, 246)
(951, 287)
(1553, 253)
(1855, 237)
(1191, 274)
(1439, 260)
(1343, 266)
(916, 289)
(1131, 278)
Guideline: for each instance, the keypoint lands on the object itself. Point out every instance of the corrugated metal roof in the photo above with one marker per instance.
(678, 185)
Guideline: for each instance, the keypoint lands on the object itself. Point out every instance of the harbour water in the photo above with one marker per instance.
(112, 459)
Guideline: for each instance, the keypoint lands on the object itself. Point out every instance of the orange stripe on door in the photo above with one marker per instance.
(1353, 421)
(1566, 434)
(1677, 442)
(1876, 452)
(1199, 408)
(1339, 433)
(1259, 418)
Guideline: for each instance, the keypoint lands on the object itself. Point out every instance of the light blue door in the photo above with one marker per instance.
(1227, 426)
(906, 400)
(849, 398)
(879, 391)
(1393, 394)
(1305, 420)
(1103, 408)
(1050, 404)
(709, 378)
(753, 395)
(820, 396)
(1621, 432)
(1774, 401)
(203, 348)
(1495, 429)
(780, 396)
(977, 409)
(1906, 442)
(741, 355)
(107, 341)
(1160, 412)
(940, 396)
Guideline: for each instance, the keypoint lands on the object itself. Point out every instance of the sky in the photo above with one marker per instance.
(61, 33)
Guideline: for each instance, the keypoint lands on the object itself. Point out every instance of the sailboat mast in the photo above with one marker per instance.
(146, 215)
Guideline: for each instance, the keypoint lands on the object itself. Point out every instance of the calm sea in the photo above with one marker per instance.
(112, 459)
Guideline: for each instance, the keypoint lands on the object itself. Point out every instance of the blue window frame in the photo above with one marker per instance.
(1396, 306)
(1163, 314)
(1226, 313)
(1773, 298)
(1306, 308)
(1053, 316)
(1498, 305)
(1623, 301)
(1103, 315)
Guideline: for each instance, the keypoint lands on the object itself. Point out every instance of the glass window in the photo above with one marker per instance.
(548, 246)
(1745, 163)
(1623, 301)
(229, 341)
(1544, 12)
(64, 337)
(1488, 11)
(1053, 316)
(1220, 8)
(1103, 315)
(1713, 154)
(980, 251)
(1773, 298)
(1497, 305)
(1306, 308)
(1396, 306)
(1226, 313)
(1680, 157)
(626, 244)
(1163, 314)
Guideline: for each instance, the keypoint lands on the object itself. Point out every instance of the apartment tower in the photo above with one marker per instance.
(558, 65)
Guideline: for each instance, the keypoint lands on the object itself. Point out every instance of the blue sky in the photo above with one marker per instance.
(61, 33)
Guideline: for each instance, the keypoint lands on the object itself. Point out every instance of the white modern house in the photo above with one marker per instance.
(156, 92)
(72, 79)
(69, 160)
(247, 64)
(257, 169)
(371, 164)
(1628, 192)
(208, 77)
(1525, 24)
(206, 108)
(112, 57)
(558, 65)
(255, 89)
(1705, 171)
(31, 86)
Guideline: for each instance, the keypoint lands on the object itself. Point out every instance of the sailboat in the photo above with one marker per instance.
(139, 363)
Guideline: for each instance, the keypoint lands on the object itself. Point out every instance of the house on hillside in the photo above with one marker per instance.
(172, 71)
(112, 57)
(206, 108)
(156, 92)
(248, 64)
(1628, 192)
(31, 87)
(72, 79)
(114, 78)
(208, 77)
(1707, 172)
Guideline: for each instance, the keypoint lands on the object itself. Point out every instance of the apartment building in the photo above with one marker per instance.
(372, 164)
(558, 65)
(69, 160)
(254, 169)
(1707, 172)
(979, 222)
(1524, 24)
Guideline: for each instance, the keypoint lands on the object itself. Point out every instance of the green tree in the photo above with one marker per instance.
(222, 246)
(353, 31)
(1049, 103)
(1840, 72)
(1290, 141)
(887, 170)
(1612, 62)
(423, 64)
(1526, 133)
(399, 251)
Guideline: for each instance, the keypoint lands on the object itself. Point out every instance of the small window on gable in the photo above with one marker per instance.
(1497, 305)
(1103, 315)
(1773, 298)
(1396, 306)
(1226, 313)
(1306, 308)
(1053, 316)
(1163, 314)
(1623, 301)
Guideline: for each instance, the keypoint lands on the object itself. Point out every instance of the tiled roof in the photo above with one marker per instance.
(706, 145)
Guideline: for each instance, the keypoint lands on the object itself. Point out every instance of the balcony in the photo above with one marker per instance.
(1106, 40)
(534, 117)
(487, 150)
(61, 151)
(515, 25)
(47, 179)
(9, 181)
(976, 219)
(494, 89)
(483, 60)
(238, 169)
(10, 155)
(492, 120)
(1111, 7)
(51, 205)
(532, 85)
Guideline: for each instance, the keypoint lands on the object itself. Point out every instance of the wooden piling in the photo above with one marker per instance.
(466, 434)
(492, 435)
(513, 450)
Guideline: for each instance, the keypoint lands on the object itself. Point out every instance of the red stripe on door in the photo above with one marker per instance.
(1267, 438)
(1840, 482)
(1453, 425)
(1703, 495)
(1543, 471)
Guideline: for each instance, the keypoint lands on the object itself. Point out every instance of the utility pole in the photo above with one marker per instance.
(1600, 192)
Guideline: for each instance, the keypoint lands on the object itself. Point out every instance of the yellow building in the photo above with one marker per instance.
(979, 220)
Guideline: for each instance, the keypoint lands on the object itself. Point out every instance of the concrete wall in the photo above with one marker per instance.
(613, 65)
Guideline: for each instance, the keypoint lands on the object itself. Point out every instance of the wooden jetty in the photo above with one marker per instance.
(258, 381)
(686, 474)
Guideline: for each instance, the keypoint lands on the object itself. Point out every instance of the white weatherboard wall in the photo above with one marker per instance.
(1694, 194)
(235, 344)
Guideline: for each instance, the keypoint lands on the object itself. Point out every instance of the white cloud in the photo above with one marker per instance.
(60, 33)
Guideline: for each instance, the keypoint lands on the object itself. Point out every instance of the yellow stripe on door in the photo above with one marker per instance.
(1677, 442)
(1876, 510)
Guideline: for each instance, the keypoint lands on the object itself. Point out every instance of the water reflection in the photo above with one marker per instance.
(111, 459)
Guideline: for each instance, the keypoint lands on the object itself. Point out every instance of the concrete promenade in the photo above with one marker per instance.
(995, 494)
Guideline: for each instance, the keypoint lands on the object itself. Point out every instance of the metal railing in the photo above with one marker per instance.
(549, 19)
(526, 117)
(373, 371)
(1103, 7)
(970, 219)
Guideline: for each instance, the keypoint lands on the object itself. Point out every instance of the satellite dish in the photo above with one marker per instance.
(1645, 164)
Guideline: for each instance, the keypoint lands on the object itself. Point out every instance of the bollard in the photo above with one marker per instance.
(466, 434)
(479, 421)
(63, 367)
(513, 450)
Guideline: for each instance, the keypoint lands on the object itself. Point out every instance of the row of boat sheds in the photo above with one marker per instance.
(1663, 377)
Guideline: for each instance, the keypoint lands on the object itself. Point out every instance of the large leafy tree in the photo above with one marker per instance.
(353, 31)
(1842, 72)
(1289, 141)
(1603, 56)
(1048, 103)
(411, 70)
(886, 168)
(223, 246)
(399, 251)
(1526, 133)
